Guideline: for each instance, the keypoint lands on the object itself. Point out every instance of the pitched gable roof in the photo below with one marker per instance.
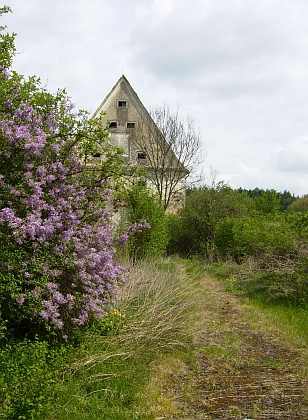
(110, 111)
(124, 86)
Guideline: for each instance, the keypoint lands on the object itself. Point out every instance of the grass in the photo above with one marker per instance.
(127, 367)
(284, 317)
(107, 376)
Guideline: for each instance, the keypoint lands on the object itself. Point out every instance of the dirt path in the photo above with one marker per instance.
(241, 368)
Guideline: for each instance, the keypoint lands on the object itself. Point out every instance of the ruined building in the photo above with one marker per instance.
(133, 130)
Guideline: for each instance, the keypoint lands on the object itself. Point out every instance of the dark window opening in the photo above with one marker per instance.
(113, 124)
(141, 155)
(122, 104)
(130, 125)
(97, 155)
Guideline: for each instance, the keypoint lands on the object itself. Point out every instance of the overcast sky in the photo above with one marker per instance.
(239, 68)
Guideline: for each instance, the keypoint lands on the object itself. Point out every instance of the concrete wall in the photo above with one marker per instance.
(122, 109)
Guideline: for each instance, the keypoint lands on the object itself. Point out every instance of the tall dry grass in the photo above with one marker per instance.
(155, 301)
(110, 372)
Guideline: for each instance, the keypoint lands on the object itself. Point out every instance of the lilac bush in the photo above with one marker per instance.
(57, 239)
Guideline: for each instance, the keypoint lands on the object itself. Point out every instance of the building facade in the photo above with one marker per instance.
(133, 130)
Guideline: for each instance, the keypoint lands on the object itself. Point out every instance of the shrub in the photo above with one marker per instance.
(26, 379)
(142, 204)
(299, 205)
(267, 202)
(180, 236)
(57, 240)
(194, 231)
(239, 238)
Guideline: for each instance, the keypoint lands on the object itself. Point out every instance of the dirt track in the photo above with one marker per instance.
(242, 369)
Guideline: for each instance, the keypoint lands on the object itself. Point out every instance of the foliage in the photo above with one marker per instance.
(299, 205)
(180, 236)
(195, 229)
(285, 198)
(110, 323)
(7, 46)
(142, 204)
(57, 246)
(218, 222)
(256, 236)
(268, 202)
(299, 223)
(29, 372)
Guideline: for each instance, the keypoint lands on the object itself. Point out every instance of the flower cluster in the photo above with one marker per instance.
(132, 230)
(58, 255)
(5, 73)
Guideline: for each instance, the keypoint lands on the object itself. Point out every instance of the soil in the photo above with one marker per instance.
(241, 369)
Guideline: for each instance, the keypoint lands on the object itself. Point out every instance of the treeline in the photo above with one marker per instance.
(286, 198)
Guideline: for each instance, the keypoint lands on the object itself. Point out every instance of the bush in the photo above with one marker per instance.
(299, 205)
(180, 236)
(257, 236)
(143, 204)
(194, 230)
(57, 240)
(26, 379)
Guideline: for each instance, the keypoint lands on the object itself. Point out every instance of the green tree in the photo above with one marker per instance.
(286, 199)
(198, 221)
(267, 202)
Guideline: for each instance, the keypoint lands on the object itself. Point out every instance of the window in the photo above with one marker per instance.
(113, 124)
(130, 125)
(97, 155)
(141, 155)
(122, 104)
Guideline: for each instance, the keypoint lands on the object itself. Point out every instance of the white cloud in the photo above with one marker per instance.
(224, 47)
(293, 156)
(239, 67)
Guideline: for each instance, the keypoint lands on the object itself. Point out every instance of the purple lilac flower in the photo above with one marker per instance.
(6, 73)
(51, 286)
(9, 103)
(52, 204)
(20, 300)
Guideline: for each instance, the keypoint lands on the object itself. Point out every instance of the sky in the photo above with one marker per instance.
(238, 68)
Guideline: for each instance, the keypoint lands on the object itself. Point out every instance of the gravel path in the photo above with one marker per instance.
(242, 369)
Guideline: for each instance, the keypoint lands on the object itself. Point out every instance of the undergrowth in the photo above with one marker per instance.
(107, 373)
(103, 374)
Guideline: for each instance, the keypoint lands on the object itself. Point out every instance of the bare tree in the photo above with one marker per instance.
(169, 149)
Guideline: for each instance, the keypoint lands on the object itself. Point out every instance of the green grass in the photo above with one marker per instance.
(109, 380)
(108, 390)
(111, 372)
(292, 321)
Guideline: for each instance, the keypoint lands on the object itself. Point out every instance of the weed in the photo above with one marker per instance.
(108, 376)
